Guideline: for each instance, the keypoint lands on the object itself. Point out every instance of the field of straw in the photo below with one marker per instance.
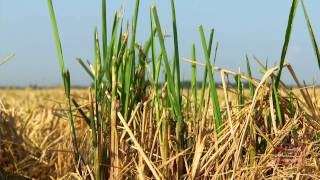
(133, 124)
(36, 143)
(34, 133)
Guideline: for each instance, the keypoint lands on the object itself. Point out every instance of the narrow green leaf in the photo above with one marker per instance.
(153, 48)
(106, 64)
(66, 80)
(251, 87)
(120, 41)
(176, 51)
(110, 51)
(204, 81)
(66, 75)
(104, 31)
(277, 104)
(194, 79)
(97, 76)
(129, 65)
(158, 67)
(82, 113)
(170, 86)
(56, 36)
(210, 41)
(240, 90)
(93, 120)
(97, 58)
(287, 40)
(292, 108)
(112, 45)
(212, 84)
(215, 53)
(311, 33)
(86, 68)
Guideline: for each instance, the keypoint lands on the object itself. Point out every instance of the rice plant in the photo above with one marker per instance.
(143, 128)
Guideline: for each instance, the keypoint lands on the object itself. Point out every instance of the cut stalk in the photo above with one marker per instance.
(96, 162)
(115, 164)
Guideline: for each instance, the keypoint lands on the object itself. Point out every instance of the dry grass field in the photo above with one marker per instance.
(128, 126)
(35, 138)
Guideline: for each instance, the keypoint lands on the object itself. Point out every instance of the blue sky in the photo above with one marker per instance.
(242, 27)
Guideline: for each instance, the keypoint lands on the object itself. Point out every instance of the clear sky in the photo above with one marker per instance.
(242, 27)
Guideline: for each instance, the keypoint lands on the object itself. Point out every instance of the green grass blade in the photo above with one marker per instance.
(96, 162)
(106, 64)
(98, 75)
(176, 51)
(97, 67)
(170, 86)
(172, 95)
(120, 42)
(65, 77)
(204, 81)
(311, 33)
(56, 36)
(194, 79)
(188, 104)
(123, 42)
(251, 87)
(292, 107)
(158, 67)
(210, 41)
(81, 112)
(212, 84)
(240, 90)
(215, 53)
(112, 45)
(286, 41)
(277, 104)
(104, 32)
(110, 51)
(86, 68)
(148, 44)
(266, 64)
(122, 57)
(92, 119)
(153, 48)
(129, 66)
